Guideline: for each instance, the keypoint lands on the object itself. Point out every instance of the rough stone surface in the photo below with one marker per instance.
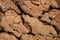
(29, 20)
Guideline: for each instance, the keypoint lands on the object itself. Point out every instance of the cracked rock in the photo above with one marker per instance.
(29, 20)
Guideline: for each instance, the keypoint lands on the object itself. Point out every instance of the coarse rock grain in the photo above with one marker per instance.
(36, 7)
(52, 17)
(27, 37)
(40, 28)
(5, 36)
(14, 24)
(29, 20)
(8, 4)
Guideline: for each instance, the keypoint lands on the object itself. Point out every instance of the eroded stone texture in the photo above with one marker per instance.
(29, 20)
(14, 23)
(5, 36)
(40, 28)
(27, 37)
(52, 17)
(8, 4)
(39, 37)
(36, 7)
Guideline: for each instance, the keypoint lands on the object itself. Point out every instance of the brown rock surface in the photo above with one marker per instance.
(8, 4)
(29, 20)
(4, 36)
(40, 28)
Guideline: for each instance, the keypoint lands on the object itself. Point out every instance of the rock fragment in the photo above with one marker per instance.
(4, 36)
(36, 7)
(40, 27)
(14, 24)
(8, 4)
(52, 17)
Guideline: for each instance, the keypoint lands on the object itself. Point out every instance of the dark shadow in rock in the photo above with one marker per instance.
(50, 7)
(56, 29)
(1, 29)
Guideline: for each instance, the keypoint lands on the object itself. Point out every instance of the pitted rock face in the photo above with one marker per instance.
(36, 7)
(29, 20)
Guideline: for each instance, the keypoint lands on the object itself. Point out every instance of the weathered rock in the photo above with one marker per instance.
(8, 4)
(29, 20)
(4, 36)
(27, 37)
(38, 27)
(52, 17)
(36, 7)
(14, 24)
